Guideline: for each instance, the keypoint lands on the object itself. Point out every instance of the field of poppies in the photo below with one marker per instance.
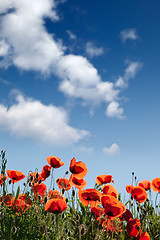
(69, 210)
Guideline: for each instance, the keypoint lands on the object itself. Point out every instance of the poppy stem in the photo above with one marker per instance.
(156, 199)
(13, 188)
(51, 178)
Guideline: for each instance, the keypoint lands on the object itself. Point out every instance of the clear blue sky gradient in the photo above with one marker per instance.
(104, 26)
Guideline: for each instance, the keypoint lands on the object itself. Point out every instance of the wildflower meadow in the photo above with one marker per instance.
(67, 209)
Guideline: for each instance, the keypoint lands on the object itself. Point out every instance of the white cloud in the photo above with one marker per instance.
(130, 72)
(29, 118)
(71, 35)
(93, 51)
(37, 50)
(112, 150)
(114, 110)
(29, 46)
(5, 82)
(4, 48)
(130, 33)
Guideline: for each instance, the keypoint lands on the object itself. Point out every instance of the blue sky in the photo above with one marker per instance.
(81, 79)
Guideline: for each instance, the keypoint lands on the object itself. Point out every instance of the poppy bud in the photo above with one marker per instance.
(71, 210)
(57, 180)
(73, 193)
(66, 172)
(37, 175)
(63, 190)
(45, 199)
(10, 181)
(66, 200)
(53, 188)
(30, 184)
(132, 173)
(24, 184)
(40, 181)
(31, 178)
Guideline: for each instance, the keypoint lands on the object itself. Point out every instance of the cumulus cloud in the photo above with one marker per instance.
(130, 33)
(93, 51)
(114, 110)
(29, 118)
(112, 150)
(29, 46)
(4, 48)
(37, 50)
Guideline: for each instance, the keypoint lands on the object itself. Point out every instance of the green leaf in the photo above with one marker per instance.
(17, 194)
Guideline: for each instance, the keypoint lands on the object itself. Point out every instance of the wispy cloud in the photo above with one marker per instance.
(71, 35)
(130, 72)
(5, 82)
(29, 118)
(93, 51)
(112, 150)
(128, 34)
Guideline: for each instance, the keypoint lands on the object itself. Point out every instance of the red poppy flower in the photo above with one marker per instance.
(79, 183)
(79, 169)
(45, 172)
(139, 193)
(108, 189)
(20, 205)
(112, 207)
(2, 178)
(55, 194)
(101, 179)
(6, 199)
(55, 205)
(126, 216)
(129, 188)
(146, 184)
(98, 211)
(134, 227)
(55, 162)
(25, 198)
(156, 184)
(39, 189)
(16, 176)
(64, 183)
(90, 196)
(144, 236)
